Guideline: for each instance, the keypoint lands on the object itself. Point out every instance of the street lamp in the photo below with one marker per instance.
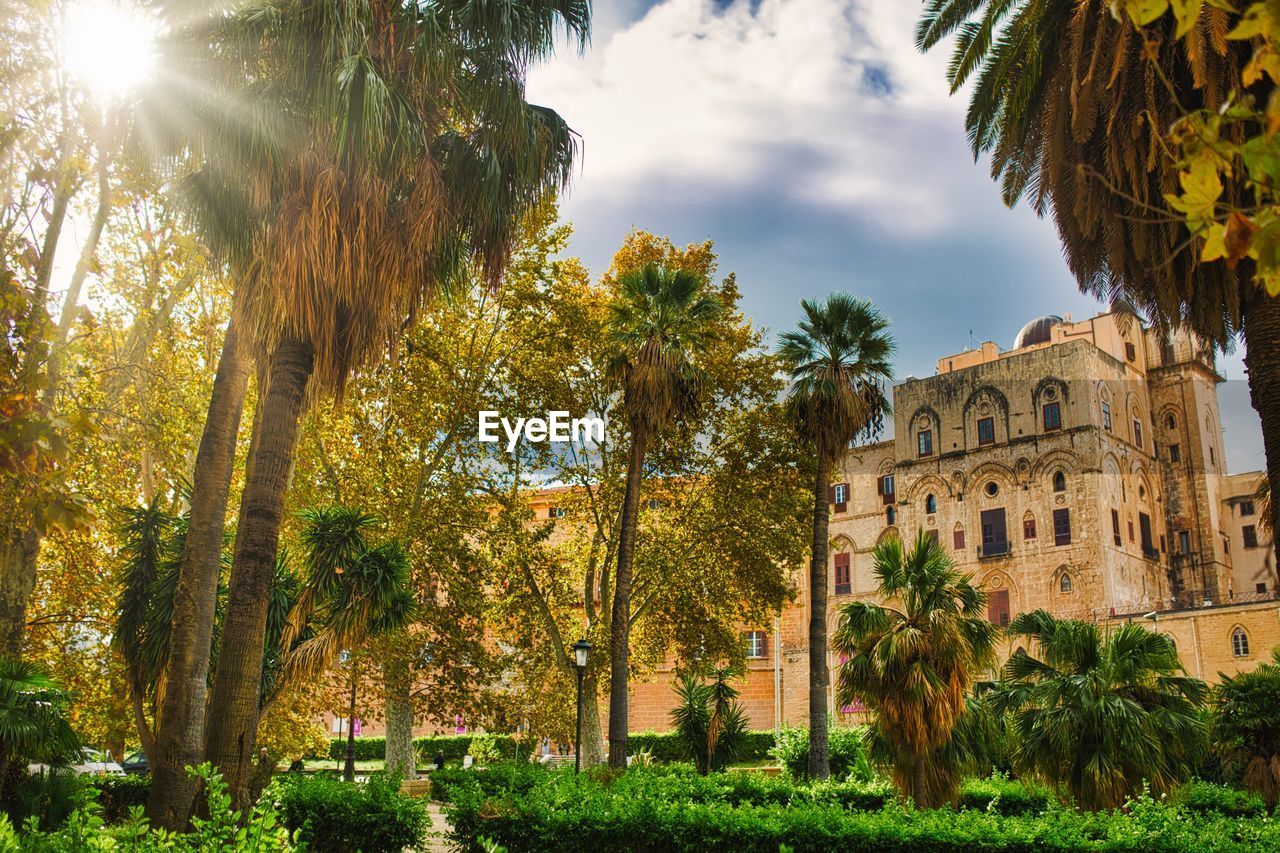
(349, 766)
(580, 651)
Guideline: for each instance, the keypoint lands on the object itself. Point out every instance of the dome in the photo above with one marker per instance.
(1038, 331)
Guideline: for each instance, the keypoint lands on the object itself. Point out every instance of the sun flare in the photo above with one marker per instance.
(110, 46)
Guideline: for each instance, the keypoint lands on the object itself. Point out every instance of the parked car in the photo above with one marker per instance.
(97, 764)
(135, 764)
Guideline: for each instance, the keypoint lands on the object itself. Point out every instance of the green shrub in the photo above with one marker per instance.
(50, 796)
(118, 794)
(1002, 796)
(846, 752)
(667, 747)
(674, 809)
(453, 747)
(332, 816)
(1205, 797)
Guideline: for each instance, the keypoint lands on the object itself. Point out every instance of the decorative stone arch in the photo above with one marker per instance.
(1064, 460)
(958, 481)
(887, 534)
(1051, 389)
(886, 466)
(986, 402)
(1063, 574)
(928, 484)
(997, 579)
(1031, 517)
(1135, 411)
(1105, 396)
(1002, 474)
(842, 542)
(925, 417)
(1170, 412)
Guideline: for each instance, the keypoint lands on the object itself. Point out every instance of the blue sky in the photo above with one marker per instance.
(820, 151)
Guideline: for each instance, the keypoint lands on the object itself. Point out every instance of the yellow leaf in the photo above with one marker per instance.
(1215, 246)
(1187, 12)
(1256, 21)
(1143, 12)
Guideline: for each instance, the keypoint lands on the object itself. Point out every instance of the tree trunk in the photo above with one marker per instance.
(819, 766)
(620, 625)
(235, 698)
(401, 763)
(1262, 358)
(18, 552)
(179, 735)
(592, 737)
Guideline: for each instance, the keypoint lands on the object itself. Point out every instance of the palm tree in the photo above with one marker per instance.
(33, 718)
(659, 324)
(1073, 113)
(359, 156)
(914, 664)
(1245, 727)
(838, 360)
(1094, 716)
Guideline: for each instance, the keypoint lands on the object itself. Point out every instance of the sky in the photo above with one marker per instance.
(820, 151)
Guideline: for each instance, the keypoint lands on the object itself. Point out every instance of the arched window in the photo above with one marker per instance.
(1064, 583)
(930, 504)
(1059, 481)
(1239, 643)
(890, 516)
(1170, 422)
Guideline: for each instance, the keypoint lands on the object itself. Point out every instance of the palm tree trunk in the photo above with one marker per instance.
(235, 698)
(1262, 358)
(819, 677)
(400, 760)
(179, 735)
(620, 627)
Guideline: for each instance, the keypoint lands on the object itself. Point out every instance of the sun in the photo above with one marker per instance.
(109, 46)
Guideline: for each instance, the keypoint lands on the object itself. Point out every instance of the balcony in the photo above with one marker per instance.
(992, 550)
(1151, 554)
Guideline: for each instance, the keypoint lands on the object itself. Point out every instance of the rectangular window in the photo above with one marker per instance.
(884, 488)
(840, 496)
(1130, 351)
(1062, 526)
(1249, 534)
(933, 536)
(924, 442)
(1260, 588)
(986, 431)
(843, 578)
(757, 644)
(995, 537)
(1137, 432)
(957, 540)
(1246, 508)
(998, 607)
(1115, 527)
(1175, 453)
(1028, 528)
(1184, 541)
(1148, 541)
(1132, 537)
(1106, 416)
(1052, 417)
(555, 512)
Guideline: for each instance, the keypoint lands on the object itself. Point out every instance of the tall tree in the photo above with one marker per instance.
(913, 661)
(1072, 103)
(659, 325)
(389, 141)
(838, 361)
(1097, 716)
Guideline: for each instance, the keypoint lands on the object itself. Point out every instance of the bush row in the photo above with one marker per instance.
(332, 816)
(664, 746)
(658, 810)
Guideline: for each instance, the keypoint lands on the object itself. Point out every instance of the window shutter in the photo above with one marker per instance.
(831, 494)
(998, 607)
(958, 540)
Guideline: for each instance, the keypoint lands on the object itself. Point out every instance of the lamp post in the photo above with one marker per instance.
(349, 766)
(580, 651)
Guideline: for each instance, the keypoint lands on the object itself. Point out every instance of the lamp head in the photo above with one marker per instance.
(580, 651)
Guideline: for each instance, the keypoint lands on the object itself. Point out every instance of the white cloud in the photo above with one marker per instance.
(779, 93)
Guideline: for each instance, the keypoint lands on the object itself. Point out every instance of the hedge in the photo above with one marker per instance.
(665, 746)
(117, 794)
(656, 810)
(332, 816)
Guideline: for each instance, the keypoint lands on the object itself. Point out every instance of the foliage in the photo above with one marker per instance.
(118, 795)
(34, 725)
(846, 749)
(1199, 796)
(673, 809)
(1245, 727)
(337, 817)
(1227, 156)
(913, 661)
(484, 750)
(49, 796)
(709, 719)
(220, 829)
(1098, 716)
